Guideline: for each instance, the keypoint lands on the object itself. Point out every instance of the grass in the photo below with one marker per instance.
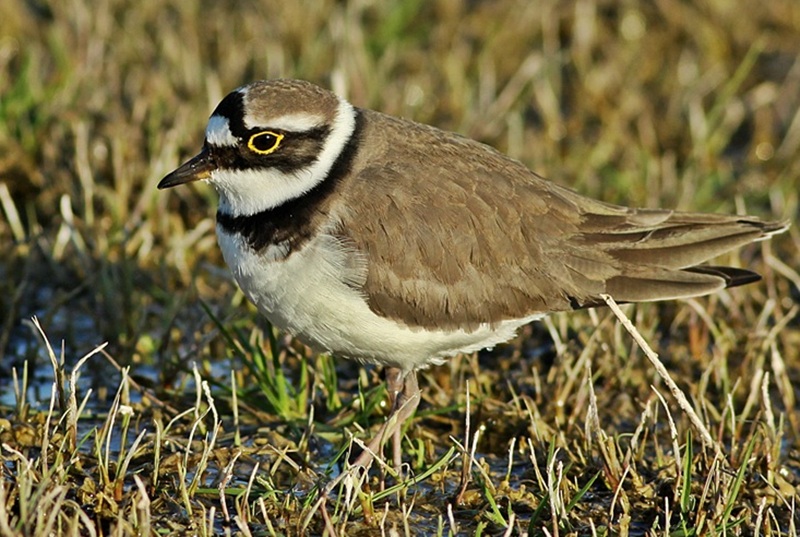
(197, 417)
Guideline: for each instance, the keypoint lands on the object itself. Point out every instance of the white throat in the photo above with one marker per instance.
(248, 192)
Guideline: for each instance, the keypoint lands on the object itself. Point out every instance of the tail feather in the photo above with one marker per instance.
(734, 277)
(664, 284)
(644, 255)
(690, 247)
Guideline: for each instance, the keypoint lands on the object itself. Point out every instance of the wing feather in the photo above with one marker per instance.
(458, 234)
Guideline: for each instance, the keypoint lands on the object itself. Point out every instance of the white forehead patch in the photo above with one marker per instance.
(299, 122)
(218, 132)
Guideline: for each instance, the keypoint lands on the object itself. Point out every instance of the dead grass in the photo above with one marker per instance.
(568, 431)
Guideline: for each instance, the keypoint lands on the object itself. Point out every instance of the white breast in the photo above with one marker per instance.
(313, 295)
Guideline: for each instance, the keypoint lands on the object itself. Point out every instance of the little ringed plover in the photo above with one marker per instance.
(399, 244)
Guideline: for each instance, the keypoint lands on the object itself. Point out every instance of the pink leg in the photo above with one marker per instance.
(396, 386)
(404, 397)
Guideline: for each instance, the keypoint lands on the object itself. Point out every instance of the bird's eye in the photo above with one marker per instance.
(264, 142)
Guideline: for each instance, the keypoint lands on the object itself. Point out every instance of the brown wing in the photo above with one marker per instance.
(457, 234)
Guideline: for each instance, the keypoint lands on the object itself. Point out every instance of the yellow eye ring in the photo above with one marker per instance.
(264, 142)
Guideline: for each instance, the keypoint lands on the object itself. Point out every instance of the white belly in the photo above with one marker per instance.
(307, 295)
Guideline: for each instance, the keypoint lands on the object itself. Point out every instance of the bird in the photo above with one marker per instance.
(398, 244)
